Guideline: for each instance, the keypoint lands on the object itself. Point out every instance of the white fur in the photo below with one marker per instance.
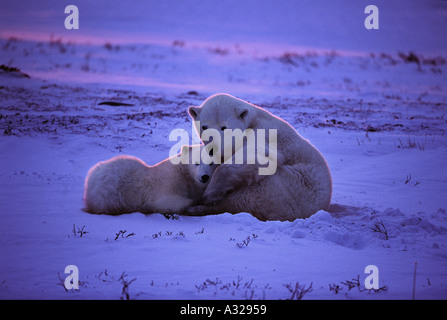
(126, 184)
(301, 186)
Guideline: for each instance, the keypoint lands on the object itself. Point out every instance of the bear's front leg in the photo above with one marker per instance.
(201, 210)
(228, 178)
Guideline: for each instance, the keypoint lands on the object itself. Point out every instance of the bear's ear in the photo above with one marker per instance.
(242, 113)
(194, 112)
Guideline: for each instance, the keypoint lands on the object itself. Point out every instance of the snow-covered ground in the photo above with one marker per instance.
(373, 103)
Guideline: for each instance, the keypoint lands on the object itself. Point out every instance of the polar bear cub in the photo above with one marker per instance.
(299, 186)
(126, 184)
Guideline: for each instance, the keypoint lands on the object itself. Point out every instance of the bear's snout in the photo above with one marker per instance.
(204, 178)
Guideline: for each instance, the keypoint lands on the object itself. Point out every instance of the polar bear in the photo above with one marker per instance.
(300, 185)
(126, 184)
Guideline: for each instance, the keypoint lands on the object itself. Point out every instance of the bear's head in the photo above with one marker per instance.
(218, 113)
(198, 166)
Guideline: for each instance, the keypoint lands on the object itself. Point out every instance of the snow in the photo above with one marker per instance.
(377, 117)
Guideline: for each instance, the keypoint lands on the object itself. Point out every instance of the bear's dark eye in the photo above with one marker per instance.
(223, 128)
(204, 127)
(210, 164)
(196, 163)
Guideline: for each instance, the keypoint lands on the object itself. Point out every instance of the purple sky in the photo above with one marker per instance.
(416, 25)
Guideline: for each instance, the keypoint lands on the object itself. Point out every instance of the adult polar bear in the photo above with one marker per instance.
(301, 185)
